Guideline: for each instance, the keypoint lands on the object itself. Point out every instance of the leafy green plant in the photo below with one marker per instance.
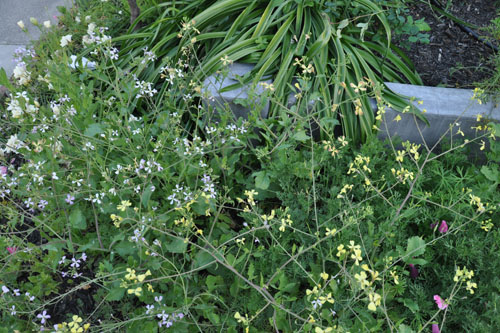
(128, 206)
(338, 48)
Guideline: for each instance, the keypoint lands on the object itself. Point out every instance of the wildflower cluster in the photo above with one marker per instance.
(73, 266)
(329, 146)
(74, 326)
(132, 279)
(465, 275)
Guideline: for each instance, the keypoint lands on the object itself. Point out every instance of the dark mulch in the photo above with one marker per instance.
(453, 58)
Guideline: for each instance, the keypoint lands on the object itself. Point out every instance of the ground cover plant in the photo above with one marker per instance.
(129, 206)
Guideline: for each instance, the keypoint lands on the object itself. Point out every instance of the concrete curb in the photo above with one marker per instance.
(444, 107)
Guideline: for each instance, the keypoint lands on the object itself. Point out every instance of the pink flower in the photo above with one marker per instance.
(413, 271)
(12, 249)
(3, 170)
(435, 328)
(440, 302)
(443, 227)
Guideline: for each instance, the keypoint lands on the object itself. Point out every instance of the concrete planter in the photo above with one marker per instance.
(444, 107)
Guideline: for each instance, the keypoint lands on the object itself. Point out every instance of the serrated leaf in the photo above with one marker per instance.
(411, 304)
(115, 294)
(124, 248)
(93, 129)
(77, 219)
(405, 329)
(262, 180)
(415, 247)
(422, 25)
(177, 246)
(491, 173)
(301, 136)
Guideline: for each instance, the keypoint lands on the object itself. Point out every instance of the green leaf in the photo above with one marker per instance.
(422, 25)
(146, 195)
(405, 329)
(177, 246)
(415, 247)
(411, 304)
(93, 129)
(213, 282)
(4, 80)
(202, 258)
(77, 219)
(262, 180)
(415, 261)
(301, 136)
(491, 173)
(124, 248)
(115, 294)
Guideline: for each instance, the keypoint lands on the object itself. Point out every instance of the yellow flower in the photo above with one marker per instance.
(314, 291)
(397, 119)
(374, 301)
(471, 285)
(340, 250)
(400, 156)
(86, 326)
(137, 291)
(131, 274)
(226, 61)
(328, 298)
(150, 288)
(324, 276)
(320, 330)
(124, 204)
(330, 232)
(361, 278)
(141, 277)
(395, 277)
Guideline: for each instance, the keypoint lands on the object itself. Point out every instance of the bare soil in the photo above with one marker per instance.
(454, 58)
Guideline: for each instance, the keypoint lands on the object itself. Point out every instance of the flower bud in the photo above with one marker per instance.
(33, 21)
(413, 271)
(21, 24)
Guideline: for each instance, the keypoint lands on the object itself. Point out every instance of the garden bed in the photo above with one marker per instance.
(453, 58)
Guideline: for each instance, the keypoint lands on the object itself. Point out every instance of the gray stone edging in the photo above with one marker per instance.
(444, 107)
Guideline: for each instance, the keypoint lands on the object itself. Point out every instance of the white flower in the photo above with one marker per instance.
(21, 24)
(46, 24)
(85, 62)
(65, 40)
(90, 28)
(5, 290)
(77, 19)
(43, 316)
(13, 144)
(21, 74)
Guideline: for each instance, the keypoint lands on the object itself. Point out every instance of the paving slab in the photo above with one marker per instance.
(6, 57)
(13, 11)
